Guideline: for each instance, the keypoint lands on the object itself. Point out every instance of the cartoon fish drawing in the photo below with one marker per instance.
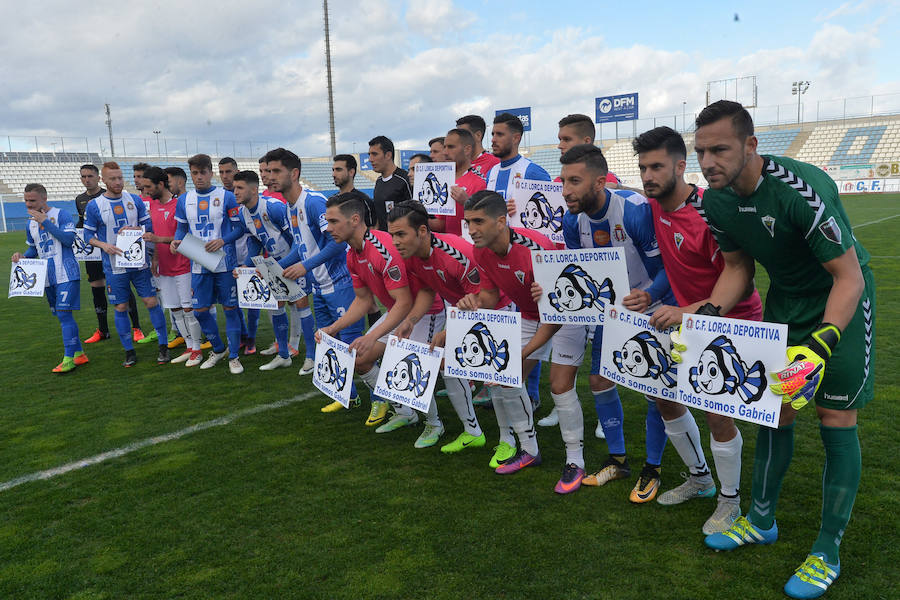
(135, 252)
(330, 371)
(407, 375)
(81, 247)
(722, 371)
(256, 290)
(575, 289)
(433, 192)
(480, 348)
(644, 356)
(278, 287)
(22, 279)
(540, 214)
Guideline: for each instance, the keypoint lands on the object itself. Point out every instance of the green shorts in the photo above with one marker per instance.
(850, 375)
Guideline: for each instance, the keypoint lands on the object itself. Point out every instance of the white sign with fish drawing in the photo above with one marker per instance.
(539, 206)
(131, 243)
(283, 289)
(333, 374)
(432, 187)
(726, 365)
(636, 355)
(578, 284)
(484, 345)
(28, 277)
(408, 373)
(254, 291)
(83, 250)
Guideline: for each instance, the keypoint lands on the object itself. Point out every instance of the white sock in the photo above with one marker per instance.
(195, 332)
(370, 378)
(179, 320)
(727, 456)
(685, 436)
(432, 417)
(571, 425)
(297, 329)
(460, 395)
(520, 413)
(503, 424)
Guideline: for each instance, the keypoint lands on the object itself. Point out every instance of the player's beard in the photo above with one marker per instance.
(666, 189)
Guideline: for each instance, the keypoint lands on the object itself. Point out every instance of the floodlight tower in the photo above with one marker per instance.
(799, 88)
(328, 73)
(112, 150)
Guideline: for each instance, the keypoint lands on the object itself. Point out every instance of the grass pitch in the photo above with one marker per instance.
(291, 503)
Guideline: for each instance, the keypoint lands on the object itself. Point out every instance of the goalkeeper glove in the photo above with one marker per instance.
(678, 345)
(798, 382)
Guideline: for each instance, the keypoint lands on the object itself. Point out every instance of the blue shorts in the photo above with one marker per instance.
(117, 286)
(330, 307)
(64, 296)
(213, 288)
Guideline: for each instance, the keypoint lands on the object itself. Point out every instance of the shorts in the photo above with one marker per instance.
(569, 344)
(422, 331)
(117, 285)
(94, 269)
(529, 328)
(175, 290)
(213, 288)
(64, 296)
(328, 308)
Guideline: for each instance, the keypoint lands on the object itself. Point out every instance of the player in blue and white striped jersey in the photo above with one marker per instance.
(104, 217)
(50, 235)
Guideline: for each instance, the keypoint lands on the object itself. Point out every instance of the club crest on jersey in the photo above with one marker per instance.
(678, 240)
(601, 237)
(721, 370)
(23, 279)
(266, 217)
(407, 375)
(831, 231)
(474, 277)
(520, 275)
(644, 356)
(257, 223)
(216, 202)
(479, 348)
(130, 206)
(441, 275)
(256, 290)
(330, 371)
(619, 233)
(769, 222)
(300, 214)
(203, 205)
(433, 192)
(394, 273)
(118, 209)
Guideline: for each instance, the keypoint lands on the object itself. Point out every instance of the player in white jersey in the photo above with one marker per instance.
(50, 235)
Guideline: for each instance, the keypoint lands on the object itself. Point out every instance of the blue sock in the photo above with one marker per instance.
(158, 318)
(533, 384)
(123, 328)
(244, 332)
(609, 411)
(308, 327)
(233, 331)
(71, 341)
(252, 322)
(656, 434)
(282, 331)
(210, 329)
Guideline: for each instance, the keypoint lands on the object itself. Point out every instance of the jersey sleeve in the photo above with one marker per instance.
(354, 276)
(707, 206)
(570, 230)
(232, 208)
(536, 171)
(143, 216)
(638, 221)
(394, 273)
(821, 221)
(91, 219)
(180, 212)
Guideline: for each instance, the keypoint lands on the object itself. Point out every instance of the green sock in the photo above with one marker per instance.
(843, 465)
(774, 450)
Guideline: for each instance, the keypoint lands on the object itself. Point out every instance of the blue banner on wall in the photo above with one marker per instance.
(524, 114)
(623, 107)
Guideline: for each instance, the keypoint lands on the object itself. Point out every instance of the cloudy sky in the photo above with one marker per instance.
(254, 70)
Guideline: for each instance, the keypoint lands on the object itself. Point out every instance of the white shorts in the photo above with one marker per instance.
(422, 331)
(175, 290)
(529, 328)
(569, 344)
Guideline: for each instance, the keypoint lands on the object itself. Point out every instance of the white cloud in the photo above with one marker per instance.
(436, 19)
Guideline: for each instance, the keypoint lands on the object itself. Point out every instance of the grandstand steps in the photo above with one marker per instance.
(5, 189)
(798, 142)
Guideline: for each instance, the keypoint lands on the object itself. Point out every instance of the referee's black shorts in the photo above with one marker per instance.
(94, 270)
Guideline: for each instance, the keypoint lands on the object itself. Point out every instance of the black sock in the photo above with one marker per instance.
(100, 307)
(133, 311)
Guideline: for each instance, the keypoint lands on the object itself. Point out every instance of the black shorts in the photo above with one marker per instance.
(94, 270)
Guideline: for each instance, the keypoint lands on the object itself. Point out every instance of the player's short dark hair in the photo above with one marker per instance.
(176, 171)
(349, 204)
(228, 161)
(511, 121)
(489, 201)
(155, 175)
(582, 124)
(412, 210)
(473, 121)
(249, 176)
(201, 161)
(661, 138)
(348, 159)
(36, 187)
(287, 158)
(588, 154)
(421, 156)
(90, 167)
(384, 143)
(436, 139)
(465, 136)
(140, 167)
(262, 159)
(740, 118)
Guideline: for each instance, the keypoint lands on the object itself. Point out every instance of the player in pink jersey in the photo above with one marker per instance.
(693, 264)
(443, 264)
(172, 271)
(458, 147)
(503, 256)
(482, 160)
(378, 272)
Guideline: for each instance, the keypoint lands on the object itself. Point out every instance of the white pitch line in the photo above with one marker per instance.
(876, 221)
(152, 441)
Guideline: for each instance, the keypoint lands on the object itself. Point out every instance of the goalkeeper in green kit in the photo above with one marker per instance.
(787, 215)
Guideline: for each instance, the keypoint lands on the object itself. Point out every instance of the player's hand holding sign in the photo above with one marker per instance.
(678, 345)
(797, 383)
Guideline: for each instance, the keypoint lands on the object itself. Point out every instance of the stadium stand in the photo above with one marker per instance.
(58, 171)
